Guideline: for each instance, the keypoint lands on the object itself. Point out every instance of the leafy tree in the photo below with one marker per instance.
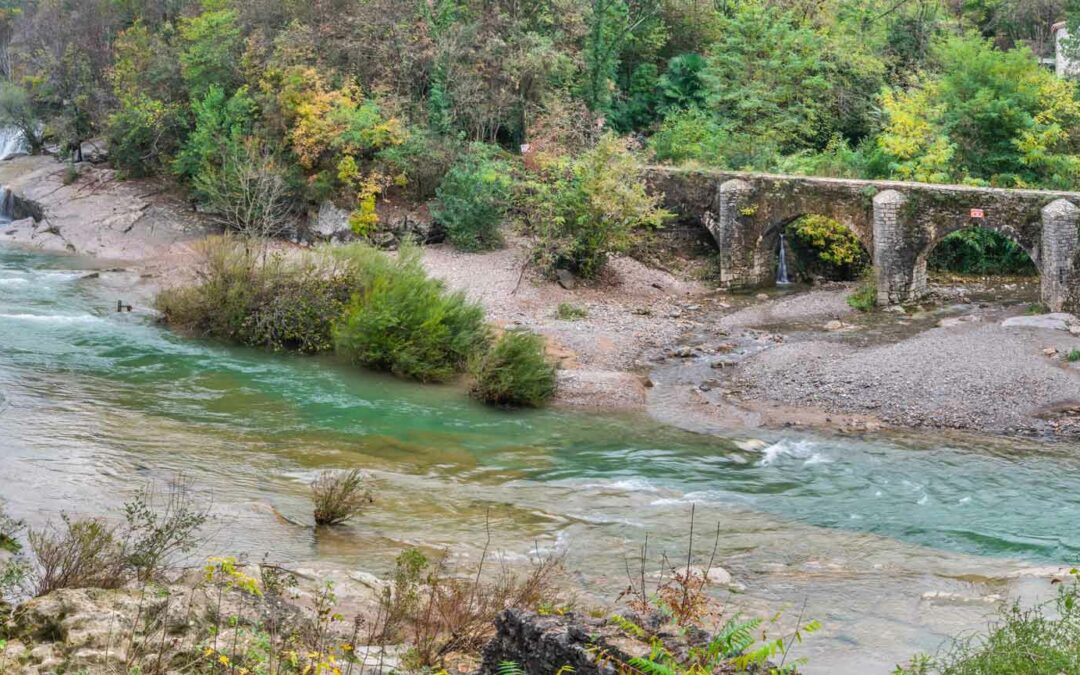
(212, 43)
(148, 125)
(588, 210)
(221, 124)
(611, 24)
(991, 116)
(765, 78)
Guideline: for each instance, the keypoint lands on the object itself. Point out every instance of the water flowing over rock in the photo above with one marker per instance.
(12, 143)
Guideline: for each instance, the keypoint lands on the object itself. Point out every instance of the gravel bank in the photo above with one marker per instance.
(971, 375)
(632, 313)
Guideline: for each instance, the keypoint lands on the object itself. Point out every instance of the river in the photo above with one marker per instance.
(893, 543)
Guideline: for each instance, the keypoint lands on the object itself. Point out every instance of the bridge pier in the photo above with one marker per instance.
(900, 270)
(734, 238)
(1059, 281)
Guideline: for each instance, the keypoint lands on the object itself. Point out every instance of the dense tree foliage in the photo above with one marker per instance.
(265, 108)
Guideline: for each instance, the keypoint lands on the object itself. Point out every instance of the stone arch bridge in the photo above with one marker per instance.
(899, 224)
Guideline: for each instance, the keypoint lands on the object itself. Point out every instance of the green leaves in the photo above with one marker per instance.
(404, 322)
(473, 199)
(766, 77)
(210, 57)
(989, 116)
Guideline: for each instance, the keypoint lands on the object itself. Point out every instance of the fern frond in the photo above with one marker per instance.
(627, 626)
(511, 668)
(651, 667)
(735, 637)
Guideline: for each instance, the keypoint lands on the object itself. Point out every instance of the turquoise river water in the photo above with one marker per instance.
(892, 543)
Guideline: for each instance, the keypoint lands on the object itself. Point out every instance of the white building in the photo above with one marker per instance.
(1064, 66)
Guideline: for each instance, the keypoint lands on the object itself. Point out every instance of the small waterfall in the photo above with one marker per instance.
(782, 278)
(12, 143)
(7, 205)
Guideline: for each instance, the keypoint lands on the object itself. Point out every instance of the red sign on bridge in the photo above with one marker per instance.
(978, 213)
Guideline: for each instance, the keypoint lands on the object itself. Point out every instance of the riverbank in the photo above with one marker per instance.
(646, 339)
(894, 544)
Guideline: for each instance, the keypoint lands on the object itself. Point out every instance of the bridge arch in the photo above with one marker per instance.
(1031, 254)
(770, 240)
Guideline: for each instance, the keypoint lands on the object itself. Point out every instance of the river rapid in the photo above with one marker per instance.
(893, 543)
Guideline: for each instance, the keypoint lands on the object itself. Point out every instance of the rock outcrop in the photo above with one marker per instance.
(542, 645)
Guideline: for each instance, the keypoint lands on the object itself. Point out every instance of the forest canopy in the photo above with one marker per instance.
(265, 108)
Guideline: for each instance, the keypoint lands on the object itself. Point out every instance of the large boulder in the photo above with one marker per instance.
(331, 223)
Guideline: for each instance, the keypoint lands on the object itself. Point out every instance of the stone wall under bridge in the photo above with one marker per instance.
(899, 224)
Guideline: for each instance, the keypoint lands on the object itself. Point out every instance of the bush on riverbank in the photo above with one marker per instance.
(86, 552)
(1040, 641)
(247, 296)
(379, 312)
(515, 372)
(402, 321)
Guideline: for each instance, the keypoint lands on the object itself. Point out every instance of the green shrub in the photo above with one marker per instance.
(588, 209)
(1073, 356)
(980, 251)
(827, 248)
(262, 302)
(9, 531)
(473, 199)
(404, 322)
(864, 298)
(568, 312)
(83, 553)
(515, 372)
(1040, 641)
(690, 135)
(420, 162)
